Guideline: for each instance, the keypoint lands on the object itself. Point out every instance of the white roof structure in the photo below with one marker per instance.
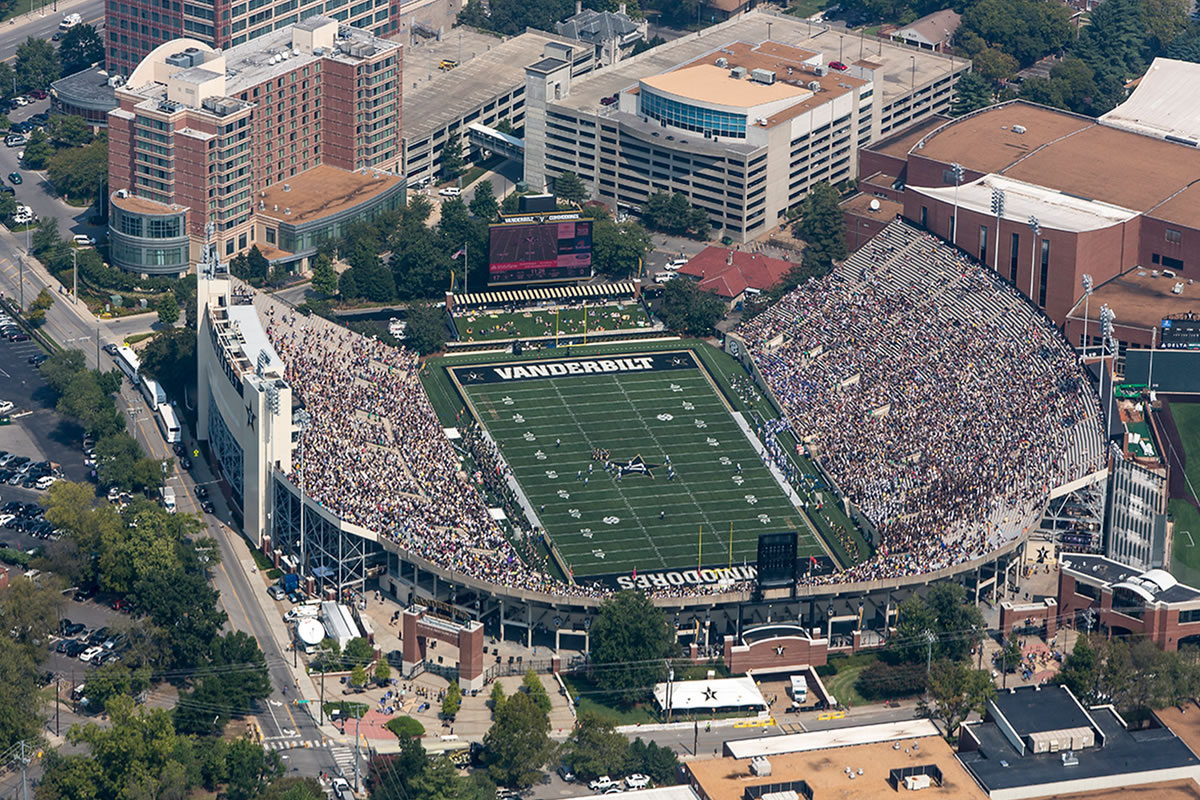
(711, 694)
(683, 792)
(254, 338)
(838, 737)
(1163, 105)
(1053, 209)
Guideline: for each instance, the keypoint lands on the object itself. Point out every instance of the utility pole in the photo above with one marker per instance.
(357, 752)
(323, 694)
(929, 640)
(56, 680)
(75, 278)
(695, 737)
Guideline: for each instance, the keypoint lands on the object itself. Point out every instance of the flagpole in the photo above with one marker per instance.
(585, 323)
(466, 270)
(700, 547)
(556, 309)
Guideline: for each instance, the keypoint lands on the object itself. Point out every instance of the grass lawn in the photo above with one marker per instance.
(841, 685)
(722, 499)
(1187, 420)
(1185, 551)
(591, 700)
(482, 326)
(806, 8)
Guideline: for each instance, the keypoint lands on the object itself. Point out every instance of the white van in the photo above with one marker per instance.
(450, 191)
(168, 498)
(69, 21)
(799, 689)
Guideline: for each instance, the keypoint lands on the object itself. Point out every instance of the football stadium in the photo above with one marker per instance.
(906, 419)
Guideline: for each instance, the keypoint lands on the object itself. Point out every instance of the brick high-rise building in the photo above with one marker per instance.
(281, 143)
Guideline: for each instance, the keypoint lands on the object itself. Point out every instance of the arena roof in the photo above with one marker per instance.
(1163, 104)
(1140, 299)
(1075, 155)
(1022, 200)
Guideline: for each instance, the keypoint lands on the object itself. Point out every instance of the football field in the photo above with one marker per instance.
(683, 483)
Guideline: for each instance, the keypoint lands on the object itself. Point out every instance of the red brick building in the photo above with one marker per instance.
(202, 137)
(1122, 601)
(730, 274)
(1106, 201)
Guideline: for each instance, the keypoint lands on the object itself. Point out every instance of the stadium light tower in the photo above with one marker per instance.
(1088, 285)
(957, 170)
(1036, 228)
(998, 210)
(1106, 341)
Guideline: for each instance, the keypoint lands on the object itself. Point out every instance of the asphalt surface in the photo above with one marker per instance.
(42, 22)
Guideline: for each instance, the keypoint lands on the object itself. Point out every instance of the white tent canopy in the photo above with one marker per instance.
(710, 695)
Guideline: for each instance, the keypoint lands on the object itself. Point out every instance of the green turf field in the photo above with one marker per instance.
(1185, 549)
(548, 428)
(483, 326)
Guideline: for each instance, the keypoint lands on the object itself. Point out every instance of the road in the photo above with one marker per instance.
(42, 23)
(284, 725)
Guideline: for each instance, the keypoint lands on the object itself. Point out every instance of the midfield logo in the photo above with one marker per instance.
(636, 466)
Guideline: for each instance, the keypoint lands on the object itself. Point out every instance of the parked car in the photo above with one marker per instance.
(15, 177)
(19, 337)
(110, 348)
(207, 507)
(276, 592)
(38, 359)
(38, 94)
(450, 191)
(201, 492)
(565, 773)
(637, 781)
(341, 789)
(839, 66)
(87, 655)
(601, 784)
(82, 240)
(6, 406)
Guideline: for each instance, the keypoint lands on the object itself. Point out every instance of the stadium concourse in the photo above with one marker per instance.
(943, 405)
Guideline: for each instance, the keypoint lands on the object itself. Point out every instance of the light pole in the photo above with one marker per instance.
(1106, 334)
(957, 170)
(1036, 228)
(1088, 284)
(998, 210)
(75, 278)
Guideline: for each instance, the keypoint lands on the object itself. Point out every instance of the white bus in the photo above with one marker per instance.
(154, 394)
(128, 361)
(168, 423)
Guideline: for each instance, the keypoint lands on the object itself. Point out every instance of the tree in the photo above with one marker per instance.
(68, 130)
(324, 276)
(139, 755)
(971, 92)
(383, 672)
(1010, 655)
(441, 781)
(391, 777)
(168, 310)
(452, 700)
(20, 703)
(688, 309)
(657, 762)
(672, 213)
(532, 685)
(955, 690)
(483, 203)
(358, 676)
(37, 150)
(823, 228)
(294, 789)
(37, 64)
(1024, 29)
(40, 305)
(348, 285)
(250, 769)
(29, 614)
(426, 328)
(359, 652)
(452, 158)
(595, 748)
(497, 698)
(567, 186)
(945, 613)
(257, 264)
(1079, 671)
(618, 247)
(6, 80)
(517, 745)
(78, 172)
(121, 463)
(170, 359)
(114, 680)
(629, 630)
(80, 47)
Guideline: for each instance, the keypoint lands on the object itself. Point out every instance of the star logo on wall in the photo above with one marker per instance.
(710, 693)
(636, 466)
(474, 376)
(250, 416)
(779, 650)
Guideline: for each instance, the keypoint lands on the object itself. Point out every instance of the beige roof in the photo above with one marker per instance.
(935, 28)
(708, 83)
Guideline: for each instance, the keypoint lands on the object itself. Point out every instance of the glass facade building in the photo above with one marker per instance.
(691, 117)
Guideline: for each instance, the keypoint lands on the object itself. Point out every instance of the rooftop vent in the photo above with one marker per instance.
(760, 766)
(737, 73)
(722, 62)
(1018, 128)
(762, 76)
(287, 187)
(1069, 759)
(287, 211)
(814, 86)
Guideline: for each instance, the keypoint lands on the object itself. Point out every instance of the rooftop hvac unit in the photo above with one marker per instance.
(737, 73)
(180, 59)
(762, 76)
(820, 70)
(760, 766)
(814, 86)
(722, 62)
(915, 783)
(1018, 128)
(1178, 288)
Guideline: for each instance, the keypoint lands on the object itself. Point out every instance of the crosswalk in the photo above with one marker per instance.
(294, 743)
(343, 756)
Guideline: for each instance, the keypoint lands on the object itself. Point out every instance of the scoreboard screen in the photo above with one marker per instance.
(539, 252)
(1180, 333)
(776, 559)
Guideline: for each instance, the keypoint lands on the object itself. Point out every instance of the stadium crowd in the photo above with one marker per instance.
(934, 396)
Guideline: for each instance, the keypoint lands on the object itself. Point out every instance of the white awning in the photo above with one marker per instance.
(710, 695)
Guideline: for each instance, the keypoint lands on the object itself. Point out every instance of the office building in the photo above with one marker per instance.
(613, 35)
(742, 117)
(280, 143)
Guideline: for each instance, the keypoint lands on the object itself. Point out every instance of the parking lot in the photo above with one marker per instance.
(94, 614)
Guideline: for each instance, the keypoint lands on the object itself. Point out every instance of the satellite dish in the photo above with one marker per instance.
(874, 206)
(310, 632)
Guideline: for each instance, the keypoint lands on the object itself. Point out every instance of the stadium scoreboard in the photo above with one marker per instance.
(1180, 332)
(777, 559)
(540, 248)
